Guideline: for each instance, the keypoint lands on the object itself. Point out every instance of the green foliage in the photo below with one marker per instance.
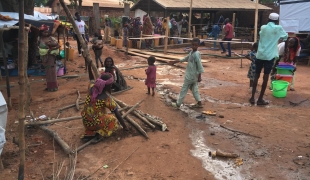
(39, 3)
(116, 22)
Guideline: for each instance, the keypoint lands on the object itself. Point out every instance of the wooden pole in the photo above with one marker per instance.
(36, 123)
(166, 36)
(256, 21)
(190, 19)
(21, 78)
(234, 19)
(27, 87)
(6, 70)
(126, 9)
(194, 31)
(86, 53)
(97, 16)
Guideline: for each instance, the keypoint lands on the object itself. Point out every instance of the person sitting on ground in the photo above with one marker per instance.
(97, 122)
(306, 45)
(252, 56)
(119, 80)
(192, 76)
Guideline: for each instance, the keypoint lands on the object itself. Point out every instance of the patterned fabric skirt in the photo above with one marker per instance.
(104, 125)
(251, 72)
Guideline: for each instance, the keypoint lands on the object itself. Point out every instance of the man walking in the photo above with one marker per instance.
(266, 53)
(229, 33)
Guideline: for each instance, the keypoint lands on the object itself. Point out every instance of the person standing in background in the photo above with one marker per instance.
(229, 33)
(81, 25)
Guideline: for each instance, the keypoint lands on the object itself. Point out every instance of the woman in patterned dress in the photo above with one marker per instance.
(96, 120)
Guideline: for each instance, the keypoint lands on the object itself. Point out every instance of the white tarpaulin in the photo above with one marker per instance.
(3, 119)
(14, 15)
(295, 15)
(140, 13)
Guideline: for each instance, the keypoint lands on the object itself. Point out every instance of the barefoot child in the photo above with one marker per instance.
(150, 81)
(193, 72)
(252, 56)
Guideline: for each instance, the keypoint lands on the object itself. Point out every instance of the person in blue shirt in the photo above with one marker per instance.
(266, 53)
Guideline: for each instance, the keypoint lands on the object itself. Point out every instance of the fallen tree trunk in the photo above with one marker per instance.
(52, 121)
(65, 147)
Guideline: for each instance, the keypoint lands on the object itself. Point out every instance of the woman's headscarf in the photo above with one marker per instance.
(99, 86)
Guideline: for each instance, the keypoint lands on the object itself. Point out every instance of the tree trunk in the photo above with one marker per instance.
(29, 7)
(80, 6)
(27, 83)
(21, 74)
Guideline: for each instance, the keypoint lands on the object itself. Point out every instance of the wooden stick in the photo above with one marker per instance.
(239, 132)
(131, 109)
(53, 121)
(69, 106)
(121, 163)
(57, 138)
(83, 146)
(223, 154)
(124, 108)
(77, 104)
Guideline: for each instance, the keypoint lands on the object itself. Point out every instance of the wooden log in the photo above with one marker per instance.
(135, 113)
(166, 37)
(156, 122)
(53, 121)
(21, 82)
(86, 53)
(131, 109)
(137, 126)
(77, 102)
(220, 153)
(124, 108)
(143, 119)
(65, 147)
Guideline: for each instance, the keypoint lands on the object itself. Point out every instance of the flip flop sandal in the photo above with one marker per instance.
(251, 101)
(196, 106)
(175, 105)
(263, 103)
(210, 113)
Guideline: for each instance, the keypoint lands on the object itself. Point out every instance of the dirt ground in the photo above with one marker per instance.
(273, 141)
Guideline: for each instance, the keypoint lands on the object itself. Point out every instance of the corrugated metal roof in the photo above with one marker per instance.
(207, 4)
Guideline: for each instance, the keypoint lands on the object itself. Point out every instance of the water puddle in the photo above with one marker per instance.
(220, 169)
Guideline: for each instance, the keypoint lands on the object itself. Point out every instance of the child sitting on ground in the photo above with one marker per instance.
(252, 56)
(193, 72)
(150, 81)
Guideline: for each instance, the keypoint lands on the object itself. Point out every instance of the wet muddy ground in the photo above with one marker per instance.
(273, 142)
